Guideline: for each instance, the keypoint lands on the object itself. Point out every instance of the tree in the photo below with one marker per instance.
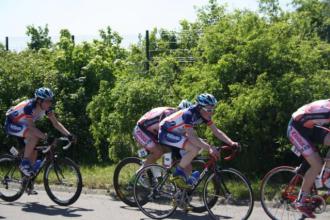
(39, 37)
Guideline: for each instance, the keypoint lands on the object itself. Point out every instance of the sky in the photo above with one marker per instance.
(84, 18)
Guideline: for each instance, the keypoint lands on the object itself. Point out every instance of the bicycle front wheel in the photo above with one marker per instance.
(62, 181)
(153, 185)
(11, 187)
(235, 197)
(279, 189)
(124, 177)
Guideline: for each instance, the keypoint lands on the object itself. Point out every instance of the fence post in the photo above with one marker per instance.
(72, 38)
(7, 43)
(147, 50)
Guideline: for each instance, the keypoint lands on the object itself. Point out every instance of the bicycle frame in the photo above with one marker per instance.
(209, 166)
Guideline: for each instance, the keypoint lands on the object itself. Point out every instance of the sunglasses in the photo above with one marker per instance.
(210, 110)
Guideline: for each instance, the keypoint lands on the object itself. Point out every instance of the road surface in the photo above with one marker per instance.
(90, 206)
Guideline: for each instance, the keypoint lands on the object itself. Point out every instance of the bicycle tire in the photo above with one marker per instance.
(62, 167)
(235, 194)
(9, 166)
(273, 196)
(125, 196)
(154, 178)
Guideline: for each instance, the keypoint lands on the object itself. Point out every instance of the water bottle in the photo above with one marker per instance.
(318, 182)
(36, 165)
(167, 159)
(13, 151)
(193, 179)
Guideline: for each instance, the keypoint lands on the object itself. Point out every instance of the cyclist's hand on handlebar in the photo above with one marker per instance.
(72, 138)
(236, 146)
(214, 152)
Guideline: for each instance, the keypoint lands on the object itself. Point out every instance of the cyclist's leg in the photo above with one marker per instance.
(20, 130)
(183, 170)
(147, 140)
(155, 153)
(315, 161)
(191, 153)
(299, 137)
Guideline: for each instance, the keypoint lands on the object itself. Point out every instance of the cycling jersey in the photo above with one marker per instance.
(154, 116)
(146, 130)
(16, 117)
(301, 130)
(172, 128)
(315, 113)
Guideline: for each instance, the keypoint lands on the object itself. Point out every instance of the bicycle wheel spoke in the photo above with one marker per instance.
(152, 185)
(277, 195)
(63, 182)
(10, 179)
(124, 178)
(232, 193)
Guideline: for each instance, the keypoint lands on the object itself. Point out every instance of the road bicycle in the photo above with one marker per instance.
(62, 178)
(280, 188)
(125, 174)
(227, 193)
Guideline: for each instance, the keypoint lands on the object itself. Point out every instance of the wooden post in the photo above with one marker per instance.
(7, 43)
(147, 50)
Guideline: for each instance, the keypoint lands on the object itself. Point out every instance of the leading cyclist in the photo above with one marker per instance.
(20, 122)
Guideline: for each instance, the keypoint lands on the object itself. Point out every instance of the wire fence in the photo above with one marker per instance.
(20, 43)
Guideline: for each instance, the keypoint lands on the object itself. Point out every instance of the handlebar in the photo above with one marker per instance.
(231, 150)
(45, 149)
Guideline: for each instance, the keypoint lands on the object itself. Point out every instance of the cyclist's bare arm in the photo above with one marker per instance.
(34, 130)
(58, 125)
(221, 135)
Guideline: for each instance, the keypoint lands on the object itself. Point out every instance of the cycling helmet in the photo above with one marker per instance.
(184, 104)
(44, 93)
(206, 99)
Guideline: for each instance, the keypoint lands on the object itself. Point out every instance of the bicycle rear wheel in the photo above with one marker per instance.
(124, 177)
(153, 185)
(11, 187)
(279, 189)
(62, 181)
(235, 197)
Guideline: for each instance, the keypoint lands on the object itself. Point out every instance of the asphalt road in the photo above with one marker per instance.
(93, 206)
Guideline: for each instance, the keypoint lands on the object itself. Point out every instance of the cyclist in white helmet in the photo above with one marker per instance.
(20, 122)
(146, 130)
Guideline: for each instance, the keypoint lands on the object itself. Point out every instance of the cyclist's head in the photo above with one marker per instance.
(206, 99)
(184, 104)
(45, 94)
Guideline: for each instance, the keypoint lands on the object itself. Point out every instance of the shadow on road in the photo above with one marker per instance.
(52, 210)
(177, 214)
(183, 215)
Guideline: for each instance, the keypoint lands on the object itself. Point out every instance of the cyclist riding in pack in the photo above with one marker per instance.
(20, 122)
(177, 131)
(303, 132)
(146, 131)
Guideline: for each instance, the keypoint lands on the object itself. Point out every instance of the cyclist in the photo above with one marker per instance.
(146, 131)
(177, 130)
(303, 132)
(20, 122)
